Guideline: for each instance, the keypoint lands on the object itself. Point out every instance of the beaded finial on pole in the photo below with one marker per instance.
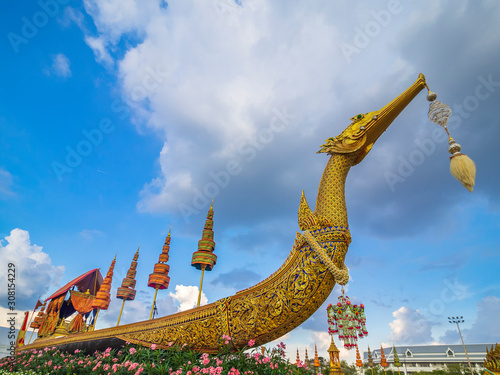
(204, 258)
(159, 279)
(461, 166)
(126, 291)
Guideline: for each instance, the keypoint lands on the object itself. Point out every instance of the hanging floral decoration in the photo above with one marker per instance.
(347, 320)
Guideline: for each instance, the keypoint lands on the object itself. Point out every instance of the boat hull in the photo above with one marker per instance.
(264, 312)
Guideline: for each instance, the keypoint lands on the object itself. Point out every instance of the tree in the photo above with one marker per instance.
(347, 369)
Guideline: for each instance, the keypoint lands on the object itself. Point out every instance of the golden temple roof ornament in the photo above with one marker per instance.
(204, 258)
(103, 298)
(159, 279)
(334, 352)
(126, 291)
(461, 166)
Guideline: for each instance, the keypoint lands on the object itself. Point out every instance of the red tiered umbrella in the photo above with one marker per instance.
(126, 291)
(159, 279)
(103, 297)
(204, 258)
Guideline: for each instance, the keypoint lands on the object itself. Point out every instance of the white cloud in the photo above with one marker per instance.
(34, 272)
(98, 45)
(60, 66)
(410, 327)
(15, 316)
(6, 182)
(486, 328)
(187, 297)
(89, 234)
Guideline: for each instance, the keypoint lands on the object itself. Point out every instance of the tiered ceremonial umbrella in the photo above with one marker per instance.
(370, 359)
(396, 358)
(306, 361)
(103, 297)
(347, 320)
(297, 360)
(316, 359)
(204, 258)
(359, 362)
(159, 279)
(126, 291)
(383, 361)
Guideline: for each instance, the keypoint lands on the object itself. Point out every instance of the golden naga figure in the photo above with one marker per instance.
(287, 298)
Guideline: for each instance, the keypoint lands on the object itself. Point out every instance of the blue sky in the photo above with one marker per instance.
(119, 120)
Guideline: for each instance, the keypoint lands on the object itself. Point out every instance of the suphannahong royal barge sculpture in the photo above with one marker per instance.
(280, 303)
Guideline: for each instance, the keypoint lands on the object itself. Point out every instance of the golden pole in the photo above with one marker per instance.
(31, 335)
(119, 316)
(33, 328)
(201, 284)
(152, 307)
(95, 319)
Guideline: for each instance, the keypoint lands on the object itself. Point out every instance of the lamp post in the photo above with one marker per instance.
(461, 320)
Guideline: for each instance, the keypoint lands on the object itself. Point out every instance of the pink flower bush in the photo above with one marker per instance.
(136, 360)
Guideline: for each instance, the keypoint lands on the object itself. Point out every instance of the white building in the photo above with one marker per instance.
(430, 357)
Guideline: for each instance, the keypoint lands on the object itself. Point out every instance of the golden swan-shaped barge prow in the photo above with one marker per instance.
(288, 297)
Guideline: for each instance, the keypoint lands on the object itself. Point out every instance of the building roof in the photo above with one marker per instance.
(432, 353)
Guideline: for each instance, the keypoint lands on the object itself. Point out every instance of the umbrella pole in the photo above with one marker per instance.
(119, 316)
(152, 307)
(201, 284)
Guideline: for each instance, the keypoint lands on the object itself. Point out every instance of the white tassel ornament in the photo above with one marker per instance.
(461, 166)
